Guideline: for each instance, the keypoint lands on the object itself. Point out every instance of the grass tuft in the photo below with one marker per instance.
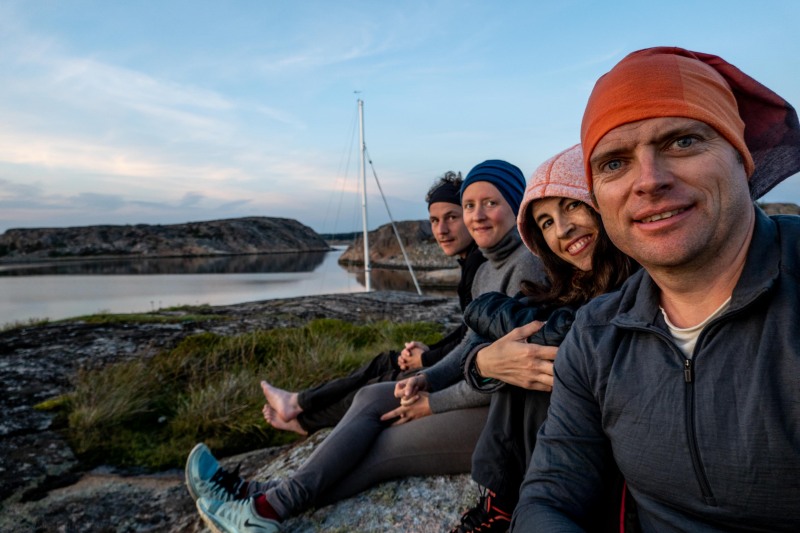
(145, 318)
(19, 324)
(150, 412)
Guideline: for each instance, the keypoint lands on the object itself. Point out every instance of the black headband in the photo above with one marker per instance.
(446, 192)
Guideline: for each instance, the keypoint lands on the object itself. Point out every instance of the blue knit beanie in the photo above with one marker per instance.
(508, 179)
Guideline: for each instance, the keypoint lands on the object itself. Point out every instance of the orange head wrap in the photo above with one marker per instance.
(673, 82)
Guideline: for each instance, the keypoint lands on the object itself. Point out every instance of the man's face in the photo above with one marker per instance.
(447, 225)
(671, 191)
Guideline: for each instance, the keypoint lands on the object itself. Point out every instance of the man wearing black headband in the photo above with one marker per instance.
(323, 406)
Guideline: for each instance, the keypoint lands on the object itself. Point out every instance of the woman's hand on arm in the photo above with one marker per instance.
(513, 360)
(411, 410)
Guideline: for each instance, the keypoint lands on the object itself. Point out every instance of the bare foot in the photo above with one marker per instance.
(282, 402)
(274, 420)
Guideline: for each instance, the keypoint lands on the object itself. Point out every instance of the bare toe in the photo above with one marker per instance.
(274, 420)
(283, 402)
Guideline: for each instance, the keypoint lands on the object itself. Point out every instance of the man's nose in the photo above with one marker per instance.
(654, 173)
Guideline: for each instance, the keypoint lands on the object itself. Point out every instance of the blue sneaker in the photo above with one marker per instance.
(238, 516)
(205, 478)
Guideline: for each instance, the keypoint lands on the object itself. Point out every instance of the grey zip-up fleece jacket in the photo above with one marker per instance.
(508, 264)
(710, 443)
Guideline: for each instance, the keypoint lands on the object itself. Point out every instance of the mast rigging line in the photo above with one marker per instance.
(394, 226)
(363, 153)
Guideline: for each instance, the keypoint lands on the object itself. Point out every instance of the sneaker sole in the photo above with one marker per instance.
(192, 489)
(209, 520)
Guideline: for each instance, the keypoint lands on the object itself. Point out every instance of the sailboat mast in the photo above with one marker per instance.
(364, 193)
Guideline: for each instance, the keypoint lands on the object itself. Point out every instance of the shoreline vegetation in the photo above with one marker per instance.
(149, 412)
(114, 402)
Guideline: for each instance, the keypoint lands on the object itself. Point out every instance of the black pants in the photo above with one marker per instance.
(324, 405)
(506, 444)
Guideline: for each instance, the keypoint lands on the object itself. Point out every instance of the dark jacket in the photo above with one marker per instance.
(494, 315)
(710, 443)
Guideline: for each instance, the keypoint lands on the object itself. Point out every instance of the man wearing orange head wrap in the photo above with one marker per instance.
(688, 378)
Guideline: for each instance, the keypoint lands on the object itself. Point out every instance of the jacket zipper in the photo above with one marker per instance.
(688, 375)
(694, 452)
(688, 378)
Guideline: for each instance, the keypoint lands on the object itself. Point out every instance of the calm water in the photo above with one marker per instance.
(63, 290)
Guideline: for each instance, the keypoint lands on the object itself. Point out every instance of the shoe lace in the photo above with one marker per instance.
(481, 515)
(230, 482)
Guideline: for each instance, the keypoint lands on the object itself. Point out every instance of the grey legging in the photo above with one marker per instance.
(362, 451)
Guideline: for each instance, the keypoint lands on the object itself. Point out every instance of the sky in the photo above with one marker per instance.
(163, 112)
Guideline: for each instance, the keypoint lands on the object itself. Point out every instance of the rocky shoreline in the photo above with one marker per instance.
(43, 487)
(248, 235)
(418, 243)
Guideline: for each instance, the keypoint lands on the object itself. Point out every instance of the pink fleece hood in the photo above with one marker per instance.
(561, 175)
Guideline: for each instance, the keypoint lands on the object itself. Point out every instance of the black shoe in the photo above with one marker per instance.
(484, 518)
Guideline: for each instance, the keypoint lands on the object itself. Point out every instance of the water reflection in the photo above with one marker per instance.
(231, 264)
(382, 279)
(397, 280)
(68, 289)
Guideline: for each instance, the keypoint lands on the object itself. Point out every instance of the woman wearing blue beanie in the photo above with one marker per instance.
(425, 425)
(507, 178)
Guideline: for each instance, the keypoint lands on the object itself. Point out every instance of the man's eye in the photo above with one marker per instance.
(614, 164)
(684, 142)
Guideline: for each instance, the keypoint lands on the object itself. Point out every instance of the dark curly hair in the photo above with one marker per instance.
(449, 177)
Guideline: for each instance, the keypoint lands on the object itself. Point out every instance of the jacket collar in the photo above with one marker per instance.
(639, 304)
(498, 253)
(471, 249)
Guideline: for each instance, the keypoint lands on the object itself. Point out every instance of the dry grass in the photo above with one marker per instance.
(151, 412)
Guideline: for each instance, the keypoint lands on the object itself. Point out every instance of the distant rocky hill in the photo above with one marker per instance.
(780, 208)
(385, 252)
(250, 235)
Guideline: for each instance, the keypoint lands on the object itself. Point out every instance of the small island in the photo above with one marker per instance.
(238, 236)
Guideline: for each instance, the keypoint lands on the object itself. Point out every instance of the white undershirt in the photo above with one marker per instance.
(686, 338)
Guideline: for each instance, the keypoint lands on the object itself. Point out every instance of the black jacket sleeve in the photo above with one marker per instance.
(443, 347)
(495, 315)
